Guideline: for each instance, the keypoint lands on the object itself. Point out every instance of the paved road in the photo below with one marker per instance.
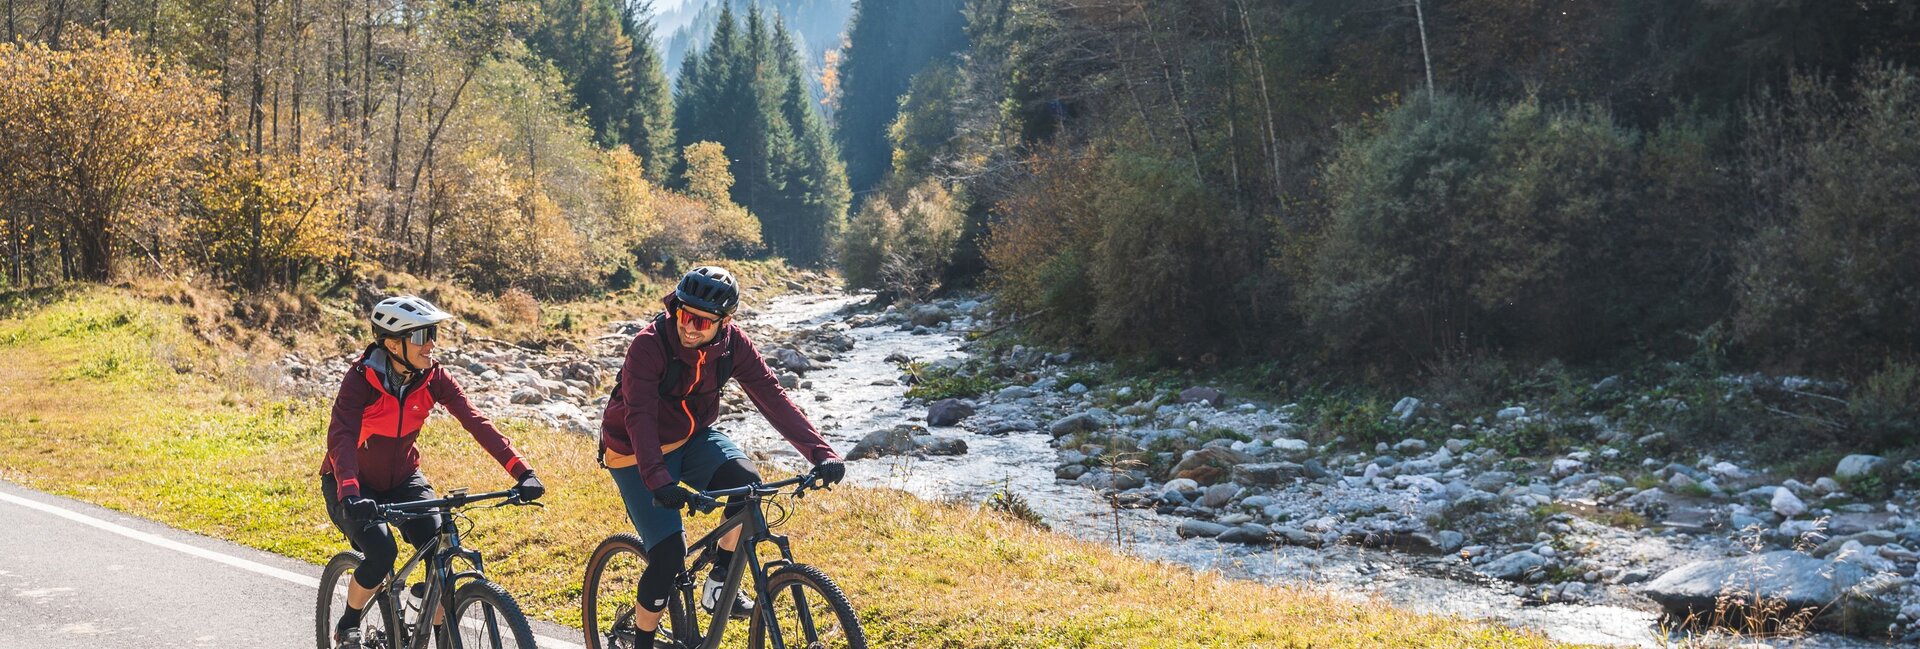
(77, 576)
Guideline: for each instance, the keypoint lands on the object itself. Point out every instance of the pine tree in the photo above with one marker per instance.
(585, 40)
(888, 41)
(650, 118)
(748, 92)
(816, 182)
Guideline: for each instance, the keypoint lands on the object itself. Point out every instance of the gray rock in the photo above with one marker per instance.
(1267, 474)
(1219, 495)
(930, 445)
(1870, 538)
(1196, 395)
(1296, 536)
(1606, 385)
(1491, 480)
(1069, 471)
(1013, 392)
(528, 395)
(927, 315)
(1514, 412)
(1791, 579)
(1786, 504)
(1076, 423)
(1192, 528)
(1855, 467)
(1290, 448)
(947, 412)
(792, 360)
(1406, 408)
(1515, 567)
(1247, 535)
(881, 443)
(1410, 446)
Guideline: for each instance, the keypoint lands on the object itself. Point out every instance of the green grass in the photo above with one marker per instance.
(228, 459)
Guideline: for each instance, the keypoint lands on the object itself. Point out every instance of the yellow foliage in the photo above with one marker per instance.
(98, 137)
(253, 213)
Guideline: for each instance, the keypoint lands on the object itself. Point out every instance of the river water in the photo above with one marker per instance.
(846, 404)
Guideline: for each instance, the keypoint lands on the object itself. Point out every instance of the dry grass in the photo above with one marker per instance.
(227, 459)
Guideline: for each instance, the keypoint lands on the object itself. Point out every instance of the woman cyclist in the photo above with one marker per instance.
(657, 432)
(371, 460)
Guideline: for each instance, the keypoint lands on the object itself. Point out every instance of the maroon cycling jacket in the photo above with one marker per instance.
(370, 437)
(639, 427)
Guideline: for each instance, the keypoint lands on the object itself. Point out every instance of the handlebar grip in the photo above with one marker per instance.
(702, 504)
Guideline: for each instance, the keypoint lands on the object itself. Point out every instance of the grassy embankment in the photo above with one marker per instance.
(106, 397)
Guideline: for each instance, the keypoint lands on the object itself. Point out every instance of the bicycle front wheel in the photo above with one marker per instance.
(377, 624)
(808, 612)
(486, 617)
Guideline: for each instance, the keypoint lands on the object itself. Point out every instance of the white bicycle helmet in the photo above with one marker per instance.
(400, 314)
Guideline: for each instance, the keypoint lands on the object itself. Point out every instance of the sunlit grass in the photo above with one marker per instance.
(222, 458)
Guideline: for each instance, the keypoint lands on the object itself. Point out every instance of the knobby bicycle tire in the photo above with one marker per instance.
(790, 585)
(590, 594)
(505, 628)
(324, 616)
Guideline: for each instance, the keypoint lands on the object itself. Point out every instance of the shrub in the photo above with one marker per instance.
(1885, 408)
(902, 241)
(1456, 227)
(1830, 279)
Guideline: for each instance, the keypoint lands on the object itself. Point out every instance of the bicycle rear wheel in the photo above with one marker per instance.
(607, 596)
(376, 624)
(809, 612)
(486, 617)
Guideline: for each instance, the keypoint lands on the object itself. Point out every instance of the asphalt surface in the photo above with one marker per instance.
(73, 575)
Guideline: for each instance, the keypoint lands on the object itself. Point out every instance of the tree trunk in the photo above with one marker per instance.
(1173, 91)
(298, 39)
(256, 123)
(1266, 101)
(393, 153)
(1420, 16)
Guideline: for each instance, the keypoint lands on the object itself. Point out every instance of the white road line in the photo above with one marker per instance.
(210, 555)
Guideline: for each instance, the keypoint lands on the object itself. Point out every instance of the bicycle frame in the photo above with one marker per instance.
(437, 554)
(752, 521)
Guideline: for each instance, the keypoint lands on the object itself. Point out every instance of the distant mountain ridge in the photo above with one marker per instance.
(817, 26)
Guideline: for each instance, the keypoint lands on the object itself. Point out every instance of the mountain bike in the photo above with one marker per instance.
(797, 606)
(397, 617)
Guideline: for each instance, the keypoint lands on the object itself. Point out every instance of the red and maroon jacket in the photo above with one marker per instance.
(370, 437)
(640, 427)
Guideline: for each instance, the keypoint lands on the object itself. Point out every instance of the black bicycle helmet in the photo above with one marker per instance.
(710, 289)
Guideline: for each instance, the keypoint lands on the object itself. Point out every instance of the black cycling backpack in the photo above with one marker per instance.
(670, 377)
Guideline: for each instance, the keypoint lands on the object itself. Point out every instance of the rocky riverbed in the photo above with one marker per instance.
(1589, 545)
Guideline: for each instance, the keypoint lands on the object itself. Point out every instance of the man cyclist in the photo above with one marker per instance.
(657, 432)
(371, 460)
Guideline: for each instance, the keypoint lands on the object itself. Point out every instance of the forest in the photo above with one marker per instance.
(1376, 191)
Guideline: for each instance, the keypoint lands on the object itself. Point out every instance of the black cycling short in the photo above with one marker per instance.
(374, 539)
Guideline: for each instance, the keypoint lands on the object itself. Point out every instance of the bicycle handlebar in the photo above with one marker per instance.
(414, 508)
(707, 501)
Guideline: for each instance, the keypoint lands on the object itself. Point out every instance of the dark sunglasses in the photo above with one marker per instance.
(697, 322)
(421, 336)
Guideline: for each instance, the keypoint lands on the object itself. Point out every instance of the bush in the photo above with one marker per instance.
(1830, 280)
(1885, 408)
(1127, 250)
(99, 139)
(1172, 266)
(902, 241)
(1037, 247)
(1455, 227)
(260, 219)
